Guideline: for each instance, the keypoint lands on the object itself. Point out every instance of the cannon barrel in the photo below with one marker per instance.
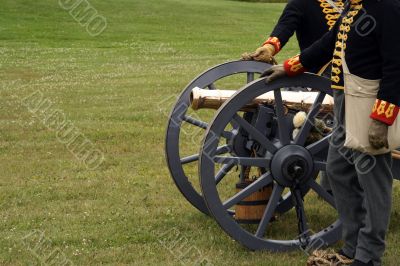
(296, 100)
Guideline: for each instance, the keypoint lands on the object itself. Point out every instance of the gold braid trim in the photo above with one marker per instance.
(340, 46)
(331, 14)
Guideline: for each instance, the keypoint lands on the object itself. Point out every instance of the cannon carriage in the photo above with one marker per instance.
(256, 179)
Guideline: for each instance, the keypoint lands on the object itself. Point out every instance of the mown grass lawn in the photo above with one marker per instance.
(110, 88)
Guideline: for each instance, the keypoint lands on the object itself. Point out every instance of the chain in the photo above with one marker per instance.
(304, 239)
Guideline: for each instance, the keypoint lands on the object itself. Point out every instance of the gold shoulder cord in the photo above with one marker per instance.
(331, 16)
(340, 46)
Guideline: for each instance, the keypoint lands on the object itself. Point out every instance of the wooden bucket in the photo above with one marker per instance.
(251, 209)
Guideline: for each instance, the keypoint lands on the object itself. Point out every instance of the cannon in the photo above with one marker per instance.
(257, 180)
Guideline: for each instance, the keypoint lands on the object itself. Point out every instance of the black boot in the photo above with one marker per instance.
(360, 263)
(341, 253)
(341, 259)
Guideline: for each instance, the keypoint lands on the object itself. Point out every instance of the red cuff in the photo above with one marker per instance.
(275, 42)
(385, 112)
(293, 66)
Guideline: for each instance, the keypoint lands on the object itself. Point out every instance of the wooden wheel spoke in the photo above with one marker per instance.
(190, 159)
(244, 161)
(195, 122)
(305, 130)
(223, 172)
(261, 182)
(255, 134)
(227, 134)
(282, 123)
(322, 192)
(250, 77)
(320, 166)
(319, 146)
(204, 125)
(269, 210)
(195, 157)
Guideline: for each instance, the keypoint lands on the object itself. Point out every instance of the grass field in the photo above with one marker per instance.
(109, 87)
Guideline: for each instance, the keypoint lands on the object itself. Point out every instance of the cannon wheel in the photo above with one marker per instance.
(282, 154)
(178, 116)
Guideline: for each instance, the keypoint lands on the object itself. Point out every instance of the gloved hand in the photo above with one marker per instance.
(378, 134)
(262, 54)
(274, 73)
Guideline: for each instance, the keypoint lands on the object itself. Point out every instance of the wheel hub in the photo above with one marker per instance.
(292, 165)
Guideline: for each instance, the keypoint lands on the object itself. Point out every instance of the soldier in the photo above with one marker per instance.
(365, 68)
(310, 20)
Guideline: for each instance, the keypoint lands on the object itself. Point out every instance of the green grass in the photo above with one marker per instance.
(110, 87)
